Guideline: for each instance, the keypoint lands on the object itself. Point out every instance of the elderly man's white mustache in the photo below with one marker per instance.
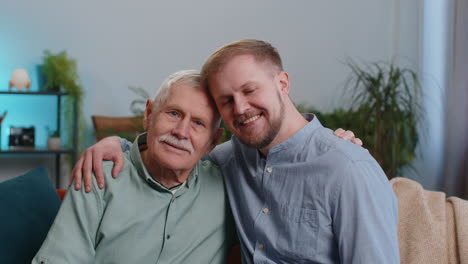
(180, 143)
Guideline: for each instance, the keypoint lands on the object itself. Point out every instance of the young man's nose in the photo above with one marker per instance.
(240, 105)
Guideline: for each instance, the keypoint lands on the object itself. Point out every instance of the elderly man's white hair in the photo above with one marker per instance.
(190, 78)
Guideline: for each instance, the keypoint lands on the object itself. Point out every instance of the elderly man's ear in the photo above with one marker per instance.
(147, 114)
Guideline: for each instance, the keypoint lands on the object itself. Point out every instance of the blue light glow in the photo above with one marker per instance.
(28, 110)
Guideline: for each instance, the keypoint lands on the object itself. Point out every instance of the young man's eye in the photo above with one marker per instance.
(228, 101)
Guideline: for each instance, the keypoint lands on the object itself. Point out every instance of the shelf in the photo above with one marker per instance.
(24, 151)
(34, 93)
(34, 150)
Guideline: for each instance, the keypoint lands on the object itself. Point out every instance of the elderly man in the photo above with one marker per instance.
(298, 194)
(170, 207)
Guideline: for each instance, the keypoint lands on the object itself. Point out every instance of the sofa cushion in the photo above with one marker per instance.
(28, 206)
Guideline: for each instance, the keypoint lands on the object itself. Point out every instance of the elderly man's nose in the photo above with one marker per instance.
(182, 129)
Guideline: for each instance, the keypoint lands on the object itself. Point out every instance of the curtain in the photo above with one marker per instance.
(456, 131)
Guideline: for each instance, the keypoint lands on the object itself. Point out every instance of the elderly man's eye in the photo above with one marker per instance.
(173, 113)
(198, 123)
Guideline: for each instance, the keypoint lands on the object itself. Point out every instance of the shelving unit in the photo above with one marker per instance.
(44, 151)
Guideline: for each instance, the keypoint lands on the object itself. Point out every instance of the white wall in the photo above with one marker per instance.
(122, 43)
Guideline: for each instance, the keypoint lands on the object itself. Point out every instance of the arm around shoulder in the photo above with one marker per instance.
(366, 215)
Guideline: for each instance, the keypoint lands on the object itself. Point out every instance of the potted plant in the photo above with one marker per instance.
(54, 142)
(384, 113)
(386, 109)
(60, 74)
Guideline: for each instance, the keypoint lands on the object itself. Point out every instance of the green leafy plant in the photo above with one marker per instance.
(61, 74)
(52, 133)
(384, 113)
(137, 106)
(227, 134)
(60, 71)
(386, 98)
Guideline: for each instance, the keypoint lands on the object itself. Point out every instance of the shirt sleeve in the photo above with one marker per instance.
(220, 154)
(72, 237)
(125, 144)
(366, 216)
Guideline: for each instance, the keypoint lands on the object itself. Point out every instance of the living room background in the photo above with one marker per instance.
(137, 43)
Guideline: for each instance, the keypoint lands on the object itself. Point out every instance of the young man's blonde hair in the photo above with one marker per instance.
(262, 51)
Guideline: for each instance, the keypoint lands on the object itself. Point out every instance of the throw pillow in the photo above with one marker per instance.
(28, 206)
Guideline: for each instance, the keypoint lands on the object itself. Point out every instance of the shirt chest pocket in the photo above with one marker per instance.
(297, 239)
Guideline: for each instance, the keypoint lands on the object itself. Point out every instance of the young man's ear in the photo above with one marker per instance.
(147, 114)
(283, 81)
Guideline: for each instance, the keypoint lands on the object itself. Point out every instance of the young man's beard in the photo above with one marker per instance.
(263, 141)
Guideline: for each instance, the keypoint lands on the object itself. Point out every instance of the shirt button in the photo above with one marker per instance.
(266, 210)
(261, 246)
(168, 237)
(269, 169)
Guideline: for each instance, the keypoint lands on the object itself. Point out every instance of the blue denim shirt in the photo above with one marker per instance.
(314, 199)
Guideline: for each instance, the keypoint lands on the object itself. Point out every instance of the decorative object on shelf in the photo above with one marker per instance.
(54, 142)
(20, 80)
(21, 137)
(60, 73)
(69, 153)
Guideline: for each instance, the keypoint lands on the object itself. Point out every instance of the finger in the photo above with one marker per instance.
(347, 135)
(357, 141)
(97, 168)
(338, 132)
(72, 176)
(87, 169)
(118, 165)
(76, 174)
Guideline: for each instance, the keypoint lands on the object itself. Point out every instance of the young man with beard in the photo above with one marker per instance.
(298, 193)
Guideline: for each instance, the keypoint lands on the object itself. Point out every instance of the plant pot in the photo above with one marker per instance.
(54, 143)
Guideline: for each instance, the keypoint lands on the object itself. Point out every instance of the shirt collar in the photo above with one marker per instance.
(135, 157)
(297, 139)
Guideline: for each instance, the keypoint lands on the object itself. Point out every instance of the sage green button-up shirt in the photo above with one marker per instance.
(134, 219)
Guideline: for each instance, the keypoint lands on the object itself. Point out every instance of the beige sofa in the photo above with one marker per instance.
(431, 227)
